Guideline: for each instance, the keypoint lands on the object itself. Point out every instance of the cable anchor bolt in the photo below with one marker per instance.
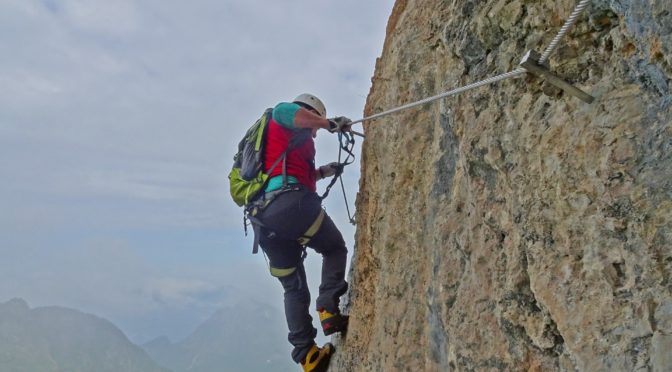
(530, 62)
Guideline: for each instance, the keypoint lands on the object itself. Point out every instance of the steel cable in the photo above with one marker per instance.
(519, 71)
(510, 74)
(568, 24)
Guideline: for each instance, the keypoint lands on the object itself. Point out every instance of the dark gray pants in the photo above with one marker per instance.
(285, 220)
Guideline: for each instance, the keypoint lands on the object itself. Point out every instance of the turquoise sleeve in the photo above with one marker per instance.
(284, 114)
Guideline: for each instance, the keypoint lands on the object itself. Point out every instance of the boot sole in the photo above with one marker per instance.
(342, 327)
(323, 365)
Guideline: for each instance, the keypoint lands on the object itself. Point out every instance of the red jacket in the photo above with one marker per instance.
(300, 161)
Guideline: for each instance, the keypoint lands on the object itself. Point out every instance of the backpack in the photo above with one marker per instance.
(247, 177)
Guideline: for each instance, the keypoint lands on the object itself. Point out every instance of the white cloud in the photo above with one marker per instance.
(160, 181)
(109, 18)
(181, 292)
(118, 120)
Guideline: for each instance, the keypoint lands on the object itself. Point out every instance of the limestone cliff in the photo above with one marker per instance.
(515, 227)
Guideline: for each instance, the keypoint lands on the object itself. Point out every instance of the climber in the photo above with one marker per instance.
(291, 217)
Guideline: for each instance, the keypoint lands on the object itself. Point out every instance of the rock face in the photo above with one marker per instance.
(515, 227)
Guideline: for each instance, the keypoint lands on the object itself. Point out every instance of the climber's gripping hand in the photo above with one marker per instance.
(329, 170)
(339, 124)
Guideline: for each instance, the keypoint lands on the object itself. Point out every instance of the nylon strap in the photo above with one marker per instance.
(260, 134)
(256, 229)
(312, 230)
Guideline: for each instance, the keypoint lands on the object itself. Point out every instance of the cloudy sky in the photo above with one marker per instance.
(118, 121)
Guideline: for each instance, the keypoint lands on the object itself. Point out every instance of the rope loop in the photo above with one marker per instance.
(346, 142)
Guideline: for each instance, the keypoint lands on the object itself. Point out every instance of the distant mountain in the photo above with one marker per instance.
(247, 337)
(57, 339)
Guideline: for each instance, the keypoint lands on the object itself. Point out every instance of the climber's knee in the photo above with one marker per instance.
(281, 273)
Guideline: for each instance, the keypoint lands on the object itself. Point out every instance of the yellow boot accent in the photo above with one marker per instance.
(317, 359)
(324, 315)
(332, 323)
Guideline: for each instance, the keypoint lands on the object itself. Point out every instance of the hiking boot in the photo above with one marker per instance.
(317, 359)
(332, 323)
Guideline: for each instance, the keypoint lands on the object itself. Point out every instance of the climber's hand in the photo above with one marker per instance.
(328, 170)
(339, 124)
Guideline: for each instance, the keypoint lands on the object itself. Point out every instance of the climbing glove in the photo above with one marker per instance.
(328, 170)
(339, 124)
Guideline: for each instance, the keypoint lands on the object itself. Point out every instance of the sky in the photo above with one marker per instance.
(118, 124)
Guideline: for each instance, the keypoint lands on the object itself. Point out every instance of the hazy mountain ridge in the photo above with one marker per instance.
(258, 342)
(244, 337)
(60, 339)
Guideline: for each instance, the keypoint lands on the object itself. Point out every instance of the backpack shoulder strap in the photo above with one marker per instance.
(261, 134)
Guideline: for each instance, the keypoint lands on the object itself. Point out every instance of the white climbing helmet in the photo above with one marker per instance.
(312, 101)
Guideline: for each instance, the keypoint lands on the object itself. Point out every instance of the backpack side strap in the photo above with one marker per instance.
(256, 229)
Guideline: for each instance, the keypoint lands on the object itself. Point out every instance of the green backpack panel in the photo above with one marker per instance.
(247, 177)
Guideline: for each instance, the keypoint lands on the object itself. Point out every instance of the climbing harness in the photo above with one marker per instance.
(254, 208)
(256, 205)
(532, 63)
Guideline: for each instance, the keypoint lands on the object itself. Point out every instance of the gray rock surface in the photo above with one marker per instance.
(515, 227)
